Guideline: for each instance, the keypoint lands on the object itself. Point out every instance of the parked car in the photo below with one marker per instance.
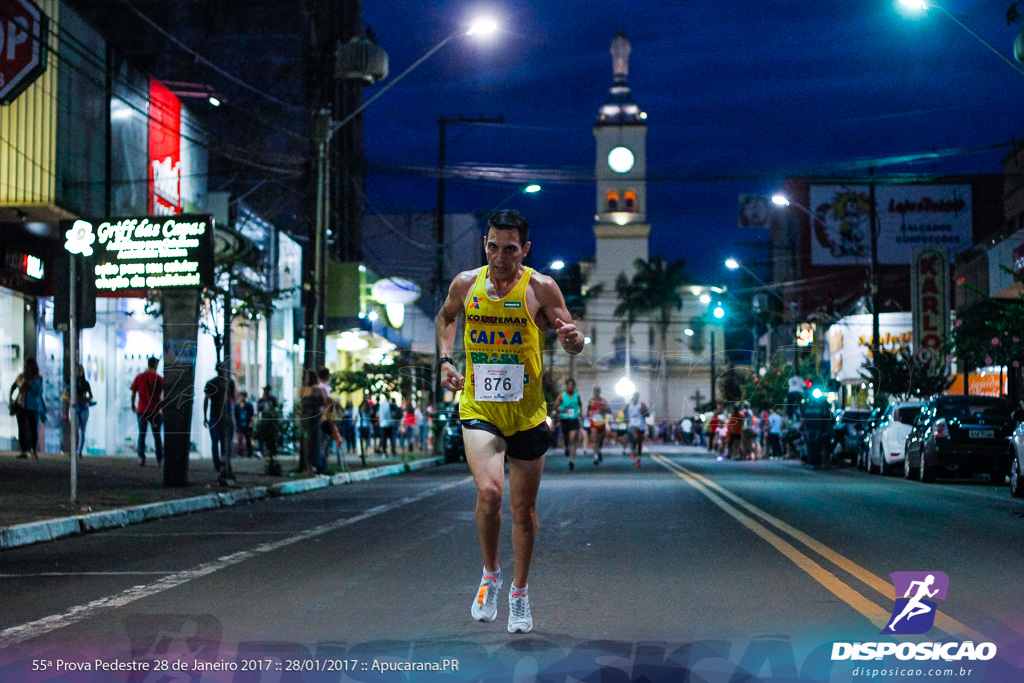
(963, 435)
(1017, 464)
(848, 434)
(865, 438)
(890, 437)
(454, 448)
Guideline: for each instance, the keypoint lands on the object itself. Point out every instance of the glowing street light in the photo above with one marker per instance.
(482, 27)
(625, 388)
(530, 189)
(780, 200)
(557, 265)
(732, 264)
(705, 299)
(719, 312)
(920, 5)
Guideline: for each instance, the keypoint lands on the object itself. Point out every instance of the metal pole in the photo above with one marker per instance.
(73, 393)
(873, 273)
(713, 405)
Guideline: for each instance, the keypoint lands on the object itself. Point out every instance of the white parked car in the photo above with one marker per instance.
(889, 438)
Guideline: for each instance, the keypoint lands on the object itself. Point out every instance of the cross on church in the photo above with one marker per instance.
(698, 399)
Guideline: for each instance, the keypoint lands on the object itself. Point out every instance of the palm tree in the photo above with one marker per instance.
(656, 288)
(630, 306)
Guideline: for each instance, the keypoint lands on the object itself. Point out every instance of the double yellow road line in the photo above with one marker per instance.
(759, 521)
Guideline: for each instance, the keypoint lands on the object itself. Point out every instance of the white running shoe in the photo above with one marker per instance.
(520, 620)
(485, 604)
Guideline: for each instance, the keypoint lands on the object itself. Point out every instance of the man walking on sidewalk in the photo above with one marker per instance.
(148, 388)
(507, 307)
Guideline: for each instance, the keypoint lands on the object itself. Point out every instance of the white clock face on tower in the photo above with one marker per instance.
(620, 159)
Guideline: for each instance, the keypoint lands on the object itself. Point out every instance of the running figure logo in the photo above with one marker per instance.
(914, 613)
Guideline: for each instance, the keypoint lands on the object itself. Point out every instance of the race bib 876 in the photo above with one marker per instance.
(498, 382)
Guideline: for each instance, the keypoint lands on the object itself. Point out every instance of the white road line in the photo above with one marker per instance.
(45, 574)
(34, 629)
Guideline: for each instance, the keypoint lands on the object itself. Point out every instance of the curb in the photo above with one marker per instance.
(52, 529)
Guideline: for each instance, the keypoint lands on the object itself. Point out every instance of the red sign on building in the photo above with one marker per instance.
(22, 47)
(164, 150)
(929, 286)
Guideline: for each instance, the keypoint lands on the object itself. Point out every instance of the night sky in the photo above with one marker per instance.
(739, 96)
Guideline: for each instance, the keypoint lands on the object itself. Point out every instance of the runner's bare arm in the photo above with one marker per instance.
(446, 324)
(552, 305)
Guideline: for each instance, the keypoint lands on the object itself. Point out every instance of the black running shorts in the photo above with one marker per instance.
(528, 444)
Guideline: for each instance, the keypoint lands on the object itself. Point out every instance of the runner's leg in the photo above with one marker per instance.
(485, 454)
(523, 483)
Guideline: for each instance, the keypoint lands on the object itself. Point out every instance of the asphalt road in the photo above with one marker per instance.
(688, 563)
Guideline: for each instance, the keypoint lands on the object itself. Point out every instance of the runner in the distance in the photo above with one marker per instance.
(569, 405)
(507, 308)
(636, 413)
(598, 410)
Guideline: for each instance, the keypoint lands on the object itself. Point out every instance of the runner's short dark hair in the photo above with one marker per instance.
(510, 219)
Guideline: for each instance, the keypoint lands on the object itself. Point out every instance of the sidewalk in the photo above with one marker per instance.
(38, 490)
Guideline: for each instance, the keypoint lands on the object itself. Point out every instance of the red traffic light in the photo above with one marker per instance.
(807, 383)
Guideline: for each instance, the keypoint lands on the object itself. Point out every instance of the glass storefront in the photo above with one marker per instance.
(12, 358)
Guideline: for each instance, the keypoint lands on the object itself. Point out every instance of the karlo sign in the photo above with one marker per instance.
(929, 283)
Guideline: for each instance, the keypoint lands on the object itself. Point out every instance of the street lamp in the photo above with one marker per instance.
(325, 130)
(731, 263)
(925, 6)
(557, 265)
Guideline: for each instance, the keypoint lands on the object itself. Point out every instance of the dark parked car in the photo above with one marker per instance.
(961, 435)
(848, 434)
(454, 449)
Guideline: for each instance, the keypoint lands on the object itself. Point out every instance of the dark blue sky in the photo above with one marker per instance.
(751, 92)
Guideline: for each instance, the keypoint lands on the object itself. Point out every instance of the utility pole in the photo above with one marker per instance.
(439, 258)
(873, 271)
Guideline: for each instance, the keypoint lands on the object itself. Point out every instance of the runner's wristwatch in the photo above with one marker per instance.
(445, 359)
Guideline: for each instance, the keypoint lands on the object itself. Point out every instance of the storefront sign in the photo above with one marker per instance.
(164, 150)
(155, 252)
(929, 279)
(849, 342)
(909, 216)
(22, 51)
(805, 334)
(395, 290)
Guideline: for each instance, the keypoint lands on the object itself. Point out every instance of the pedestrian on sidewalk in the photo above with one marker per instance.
(245, 415)
(348, 426)
(148, 387)
(83, 400)
(264, 406)
(422, 427)
(28, 407)
(775, 433)
(219, 397)
(386, 417)
(713, 424)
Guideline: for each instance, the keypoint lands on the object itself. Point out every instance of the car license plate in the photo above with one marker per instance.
(983, 433)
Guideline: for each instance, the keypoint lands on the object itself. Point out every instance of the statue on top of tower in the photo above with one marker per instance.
(620, 56)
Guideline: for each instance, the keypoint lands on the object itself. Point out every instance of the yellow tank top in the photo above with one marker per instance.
(500, 335)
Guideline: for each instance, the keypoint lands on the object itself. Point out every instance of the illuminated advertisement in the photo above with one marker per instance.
(164, 150)
(909, 216)
(153, 252)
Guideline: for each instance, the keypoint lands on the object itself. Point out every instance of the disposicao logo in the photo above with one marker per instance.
(913, 614)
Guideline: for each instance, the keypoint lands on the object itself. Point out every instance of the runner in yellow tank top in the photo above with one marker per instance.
(502, 405)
